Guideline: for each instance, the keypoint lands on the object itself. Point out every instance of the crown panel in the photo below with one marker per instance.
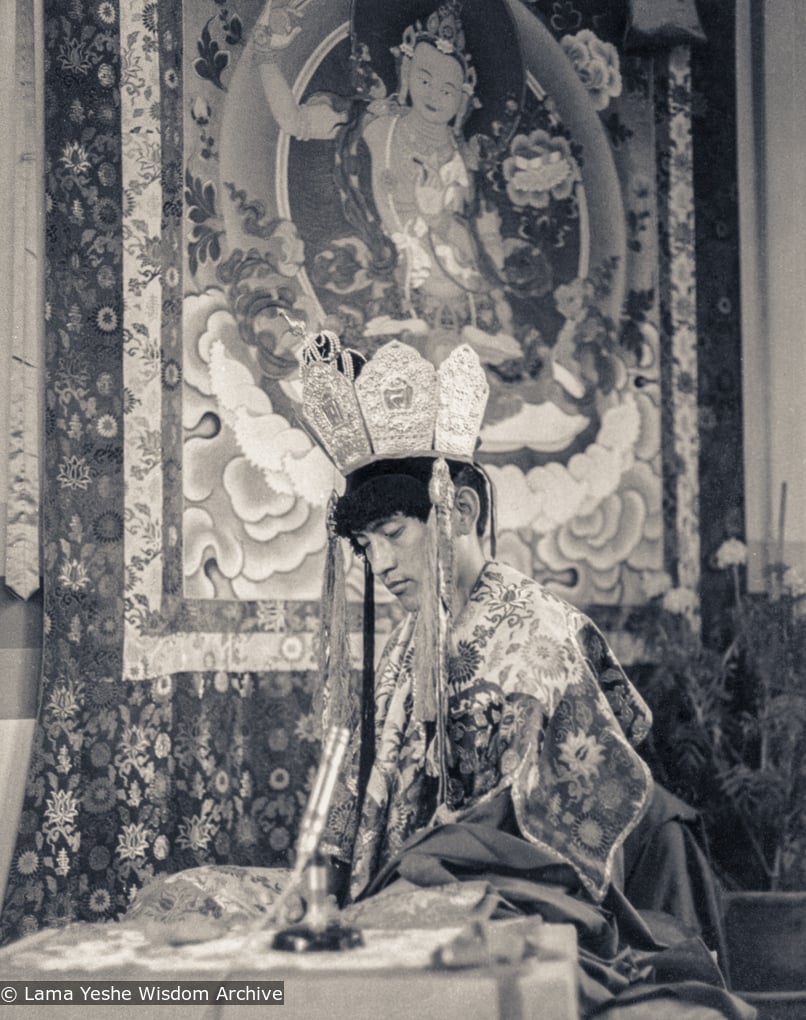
(331, 407)
(397, 390)
(463, 392)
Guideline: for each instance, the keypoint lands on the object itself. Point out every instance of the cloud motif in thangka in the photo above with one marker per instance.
(255, 486)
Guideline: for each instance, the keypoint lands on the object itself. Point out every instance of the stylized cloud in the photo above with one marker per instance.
(255, 486)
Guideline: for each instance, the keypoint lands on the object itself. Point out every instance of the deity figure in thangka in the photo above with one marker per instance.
(436, 261)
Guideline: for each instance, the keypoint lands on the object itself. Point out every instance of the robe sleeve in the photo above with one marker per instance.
(578, 786)
(629, 708)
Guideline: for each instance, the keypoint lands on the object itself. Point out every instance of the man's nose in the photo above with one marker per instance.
(381, 556)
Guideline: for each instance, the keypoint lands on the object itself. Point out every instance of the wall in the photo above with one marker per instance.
(20, 310)
(772, 151)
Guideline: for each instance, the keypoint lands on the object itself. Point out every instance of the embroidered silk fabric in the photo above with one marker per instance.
(537, 705)
(223, 894)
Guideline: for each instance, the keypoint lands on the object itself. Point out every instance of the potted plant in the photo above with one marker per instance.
(730, 738)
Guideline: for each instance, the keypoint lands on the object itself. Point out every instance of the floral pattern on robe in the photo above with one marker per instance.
(537, 704)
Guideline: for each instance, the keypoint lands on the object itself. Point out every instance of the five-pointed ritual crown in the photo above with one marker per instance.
(397, 404)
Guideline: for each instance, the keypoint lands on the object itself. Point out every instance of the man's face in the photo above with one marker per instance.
(395, 549)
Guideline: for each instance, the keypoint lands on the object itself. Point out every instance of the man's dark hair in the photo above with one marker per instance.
(379, 491)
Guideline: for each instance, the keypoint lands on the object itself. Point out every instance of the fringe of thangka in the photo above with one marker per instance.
(334, 647)
(432, 625)
(366, 756)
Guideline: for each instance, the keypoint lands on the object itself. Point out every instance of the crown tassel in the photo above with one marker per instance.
(334, 646)
(433, 623)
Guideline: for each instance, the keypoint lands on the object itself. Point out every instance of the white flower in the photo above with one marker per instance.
(655, 582)
(163, 686)
(683, 601)
(597, 64)
(279, 779)
(27, 862)
(794, 583)
(572, 299)
(732, 553)
(582, 754)
(132, 842)
(99, 901)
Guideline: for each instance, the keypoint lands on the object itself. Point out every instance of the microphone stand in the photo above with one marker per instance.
(318, 930)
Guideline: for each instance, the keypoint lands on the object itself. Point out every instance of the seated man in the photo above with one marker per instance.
(501, 728)
(535, 708)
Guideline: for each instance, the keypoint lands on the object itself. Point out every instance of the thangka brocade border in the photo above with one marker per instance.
(678, 299)
(165, 633)
(683, 317)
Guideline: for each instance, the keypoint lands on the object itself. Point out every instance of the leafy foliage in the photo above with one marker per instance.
(730, 727)
(205, 240)
(212, 61)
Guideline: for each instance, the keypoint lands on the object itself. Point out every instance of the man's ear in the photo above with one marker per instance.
(467, 508)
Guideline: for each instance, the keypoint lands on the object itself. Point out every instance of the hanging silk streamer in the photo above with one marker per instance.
(334, 649)
(433, 623)
(366, 756)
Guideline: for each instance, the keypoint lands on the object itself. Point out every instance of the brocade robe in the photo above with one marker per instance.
(537, 705)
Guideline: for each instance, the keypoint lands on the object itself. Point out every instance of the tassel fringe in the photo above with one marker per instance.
(433, 623)
(334, 648)
(426, 630)
(366, 754)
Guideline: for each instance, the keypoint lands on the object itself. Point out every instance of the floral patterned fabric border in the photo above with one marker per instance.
(680, 309)
(127, 778)
(177, 731)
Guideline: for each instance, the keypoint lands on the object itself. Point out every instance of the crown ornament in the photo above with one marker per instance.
(396, 404)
